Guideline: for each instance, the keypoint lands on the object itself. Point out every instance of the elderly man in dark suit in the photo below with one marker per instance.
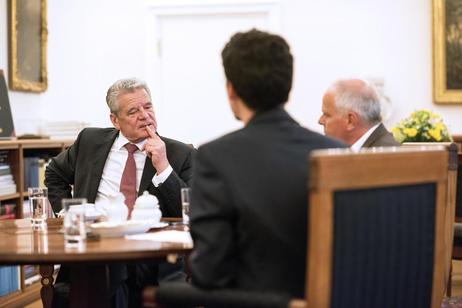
(129, 158)
(351, 113)
(249, 194)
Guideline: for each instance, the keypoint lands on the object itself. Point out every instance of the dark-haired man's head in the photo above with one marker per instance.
(258, 68)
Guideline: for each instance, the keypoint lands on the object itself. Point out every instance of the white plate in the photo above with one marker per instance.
(119, 229)
(153, 223)
(91, 213)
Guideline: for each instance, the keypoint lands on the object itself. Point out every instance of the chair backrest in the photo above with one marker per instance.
(458, 141)
(453, 211)
(459, 187)
(377, 228)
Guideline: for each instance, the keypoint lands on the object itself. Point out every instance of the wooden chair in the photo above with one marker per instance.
(453, 212)
(376, 235)
(377, 228)
(457, 246)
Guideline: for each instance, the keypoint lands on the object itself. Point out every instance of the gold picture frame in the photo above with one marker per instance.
(447, 42)
(27, 21)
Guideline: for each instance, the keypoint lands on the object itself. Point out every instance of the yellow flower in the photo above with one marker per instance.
(435, 133)
(434, 116)
(411, 132)
(440, 126)
(421, 126)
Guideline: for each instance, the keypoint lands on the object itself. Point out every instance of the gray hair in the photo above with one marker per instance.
(122, 86)
(358, 96)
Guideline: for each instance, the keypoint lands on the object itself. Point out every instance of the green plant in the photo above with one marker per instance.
(421, 126)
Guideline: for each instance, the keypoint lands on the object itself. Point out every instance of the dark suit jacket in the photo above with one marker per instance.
(381, 137)
(249, 206)
(81, 165)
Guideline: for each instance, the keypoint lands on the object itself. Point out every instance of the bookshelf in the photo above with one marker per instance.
(15, 154)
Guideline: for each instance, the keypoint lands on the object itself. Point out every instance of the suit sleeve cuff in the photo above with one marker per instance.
(160, 178)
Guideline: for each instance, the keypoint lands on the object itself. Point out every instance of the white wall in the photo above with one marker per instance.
(93, 43)
(90, 45)
(379, 39)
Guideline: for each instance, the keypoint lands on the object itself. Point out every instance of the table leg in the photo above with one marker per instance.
(89, 286)
(46, 292)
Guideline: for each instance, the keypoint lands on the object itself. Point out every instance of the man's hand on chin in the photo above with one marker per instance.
(155, 149)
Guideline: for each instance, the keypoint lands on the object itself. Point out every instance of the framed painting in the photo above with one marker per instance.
(27, 21)
(447, 51)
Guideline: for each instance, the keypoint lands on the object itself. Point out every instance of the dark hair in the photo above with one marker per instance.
(259, 65)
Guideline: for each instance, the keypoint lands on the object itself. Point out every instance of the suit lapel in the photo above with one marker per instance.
(148, 173)
(101, 151)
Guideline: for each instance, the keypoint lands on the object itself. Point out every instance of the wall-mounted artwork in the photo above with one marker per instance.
(447, 51)
(27, 21)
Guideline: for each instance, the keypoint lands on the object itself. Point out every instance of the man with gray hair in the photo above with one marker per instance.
(351, 113)
(129, 158)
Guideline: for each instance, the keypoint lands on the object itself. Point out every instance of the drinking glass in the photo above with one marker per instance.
(38, 200)
(185, 202)
(74, 221)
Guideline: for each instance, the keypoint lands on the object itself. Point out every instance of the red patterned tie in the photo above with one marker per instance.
(128, 181)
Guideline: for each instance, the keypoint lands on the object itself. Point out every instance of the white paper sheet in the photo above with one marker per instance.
(171, 236)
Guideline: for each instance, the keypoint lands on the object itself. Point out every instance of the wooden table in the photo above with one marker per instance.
(19, 245)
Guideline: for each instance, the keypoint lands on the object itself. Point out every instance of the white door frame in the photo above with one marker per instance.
(158, 9)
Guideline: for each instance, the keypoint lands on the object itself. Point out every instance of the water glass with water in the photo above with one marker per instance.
(185, 203)
(38, 200)
(74, 221)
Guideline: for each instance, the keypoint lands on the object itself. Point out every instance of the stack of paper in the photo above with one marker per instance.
(62, 129)
(171, 236)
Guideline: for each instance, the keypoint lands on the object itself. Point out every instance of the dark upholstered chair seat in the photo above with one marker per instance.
(186, 295)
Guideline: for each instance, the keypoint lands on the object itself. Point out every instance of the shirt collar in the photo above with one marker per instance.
(359, 143)
(121, 141)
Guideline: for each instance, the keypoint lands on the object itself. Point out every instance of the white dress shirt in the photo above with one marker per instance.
(360, 142)
(115, 165)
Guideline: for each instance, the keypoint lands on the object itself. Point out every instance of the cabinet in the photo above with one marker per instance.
(14, 154)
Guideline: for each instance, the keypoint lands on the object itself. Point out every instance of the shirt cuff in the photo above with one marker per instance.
(160, 178)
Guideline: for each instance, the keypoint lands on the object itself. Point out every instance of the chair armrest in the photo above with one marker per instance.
(298, 303)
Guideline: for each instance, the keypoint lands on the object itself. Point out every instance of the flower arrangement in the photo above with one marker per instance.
(421, 126)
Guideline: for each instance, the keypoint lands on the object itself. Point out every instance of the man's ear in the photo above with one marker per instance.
(353, 120)
(230, 91)
(115, 121)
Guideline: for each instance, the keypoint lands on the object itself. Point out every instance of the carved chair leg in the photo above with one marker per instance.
(46, 293)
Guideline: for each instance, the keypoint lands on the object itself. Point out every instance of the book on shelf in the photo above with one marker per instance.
(8, 216)
(42, 165)
(30, 271)
(31, 274)
(5, 169)
(26, 209)
(7, 208)
(7, 184)
(3, 156)
(6, 179)
(34, 171)
(32, 279)
(7, 189)
(9, 279)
